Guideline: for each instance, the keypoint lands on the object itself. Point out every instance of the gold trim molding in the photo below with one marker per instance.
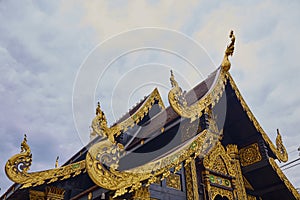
(279, 151)
(284, 178)
(180, 105)
(99, 123)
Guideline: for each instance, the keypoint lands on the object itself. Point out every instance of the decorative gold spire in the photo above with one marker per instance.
(229, 52)
(280, 148)
(98, 109)
(56, 162)
(172, 80)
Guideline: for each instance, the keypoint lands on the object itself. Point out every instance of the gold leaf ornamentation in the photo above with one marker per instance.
(229, 52)
(250, 155)
(280, 151)
(173, 181)
(17, 167)
(180, 105)
(214, 191)
(99, 123)
(110, 178)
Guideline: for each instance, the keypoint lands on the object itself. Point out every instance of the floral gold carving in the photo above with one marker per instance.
(173, 181)
(142, 193)
(250, 155)
(232, 150)
(191, 181)
(219, 166)
(214, 191)
(218, 159)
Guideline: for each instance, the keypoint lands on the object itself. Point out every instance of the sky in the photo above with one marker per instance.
(46, 48)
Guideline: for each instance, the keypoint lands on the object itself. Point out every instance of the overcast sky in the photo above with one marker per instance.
(45, 44)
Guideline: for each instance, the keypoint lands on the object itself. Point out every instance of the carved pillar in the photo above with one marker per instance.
(232, 150)
(143, 193)
(191, 181)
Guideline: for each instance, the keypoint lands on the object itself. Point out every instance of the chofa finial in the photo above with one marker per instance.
(98, 109)
(56, 162)
(172, 79)
(228, 52)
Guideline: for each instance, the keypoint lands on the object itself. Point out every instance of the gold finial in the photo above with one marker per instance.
(172, 79)
(25, 138)
(98, 109)
(283, 156)
(56, 162)
(229, 52)
(278, 139)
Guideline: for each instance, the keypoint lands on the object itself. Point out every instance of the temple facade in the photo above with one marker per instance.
(206, 145)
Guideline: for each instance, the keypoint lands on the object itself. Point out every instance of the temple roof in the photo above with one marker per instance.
(213, 111)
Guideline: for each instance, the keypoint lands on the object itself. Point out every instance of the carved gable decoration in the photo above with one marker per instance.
(219, 166)
(250, 155)
(219, 161)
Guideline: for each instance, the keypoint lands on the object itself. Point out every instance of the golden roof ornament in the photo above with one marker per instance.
(283, 156)
(228, 52)
(56, 162)
(98, 109)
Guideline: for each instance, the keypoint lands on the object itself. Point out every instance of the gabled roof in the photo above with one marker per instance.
(240, 127)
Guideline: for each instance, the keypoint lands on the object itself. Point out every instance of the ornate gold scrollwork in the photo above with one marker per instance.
(214, 191)
(218, 159)
(180, 105)
(130, 180)
(233, 152)
(19, 163)
(250, 155)
(280, 147)
(142, 193)
(229, 51)
(17, 166)
(173, 181)
(191, 181)
(99, 123)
